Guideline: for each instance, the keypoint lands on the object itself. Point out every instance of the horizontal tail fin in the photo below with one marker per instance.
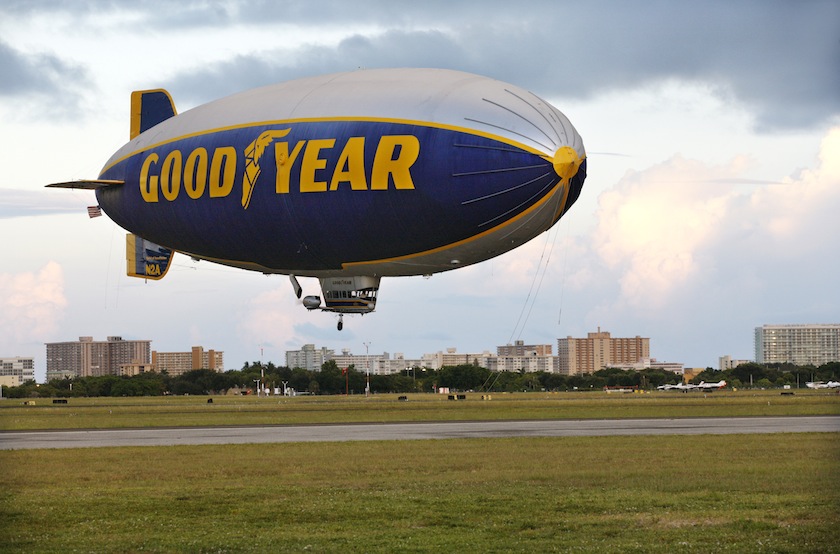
(148, 108)
(145, 259)
(86, 184)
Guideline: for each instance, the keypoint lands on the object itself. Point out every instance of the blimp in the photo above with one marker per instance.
(347, 178)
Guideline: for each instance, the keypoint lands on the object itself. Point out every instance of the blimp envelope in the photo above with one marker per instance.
(368, 173)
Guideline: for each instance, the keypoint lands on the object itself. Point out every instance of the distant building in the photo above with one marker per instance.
(312, 358)
(89, 358)
(452, 358)
(651, 363)
(18, 369)
(599, 350)
(690, 373)
(519, 348)
(130, 370)
(675, 367)
(178, 363)
(726, 362)
(308, 357)
(374, 364)
(521, 357)
(809, 344)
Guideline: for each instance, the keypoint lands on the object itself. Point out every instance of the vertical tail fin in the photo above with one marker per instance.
(146, 259)
(148, 108)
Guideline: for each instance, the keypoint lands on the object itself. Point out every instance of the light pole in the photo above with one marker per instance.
(367, 365)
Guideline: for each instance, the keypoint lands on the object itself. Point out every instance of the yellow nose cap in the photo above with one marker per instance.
(566, 163)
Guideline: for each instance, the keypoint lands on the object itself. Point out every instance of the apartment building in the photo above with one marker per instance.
(308, 357)
(599, 350)
(17, 370)
(178, 363)
(807, 344)
(89, 358)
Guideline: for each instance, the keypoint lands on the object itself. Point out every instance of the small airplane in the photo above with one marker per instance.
(347, 178)
(823, 385)
(686, 387)
(711, 386)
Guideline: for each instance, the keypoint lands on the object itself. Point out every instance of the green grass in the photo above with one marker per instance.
(89, 413)
(730, 493)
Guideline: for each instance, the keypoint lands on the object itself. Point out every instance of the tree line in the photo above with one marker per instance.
(469, 377)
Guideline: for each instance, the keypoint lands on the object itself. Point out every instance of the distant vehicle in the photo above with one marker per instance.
(347, 178)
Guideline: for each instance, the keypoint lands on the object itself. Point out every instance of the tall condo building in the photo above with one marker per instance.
(809, 344)
(89, 358)
(178, 363)
(16, 371)
(599, 350)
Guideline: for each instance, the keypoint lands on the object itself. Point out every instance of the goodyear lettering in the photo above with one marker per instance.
(222, 172)
(170, 175)
(195, 173)
(312, 164)
(199, 173)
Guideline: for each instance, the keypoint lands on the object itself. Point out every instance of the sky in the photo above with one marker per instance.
(711, 206)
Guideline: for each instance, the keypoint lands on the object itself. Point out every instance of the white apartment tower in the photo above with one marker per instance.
(809, 344)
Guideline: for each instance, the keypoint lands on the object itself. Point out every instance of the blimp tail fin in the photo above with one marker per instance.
(86, 184)
(148, 108)
(145, 259)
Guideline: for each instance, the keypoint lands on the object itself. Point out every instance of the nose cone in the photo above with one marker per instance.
(571, 168)
(566, 163)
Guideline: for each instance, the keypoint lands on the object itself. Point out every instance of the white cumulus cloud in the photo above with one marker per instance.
(31, 304)
(684, 230)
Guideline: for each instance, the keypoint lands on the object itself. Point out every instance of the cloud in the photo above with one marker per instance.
(272, 319)
(779, 59)
(388, 49)
(25, 203)
(44, 80)
(31, 304)
(683, 230)
(739, 50)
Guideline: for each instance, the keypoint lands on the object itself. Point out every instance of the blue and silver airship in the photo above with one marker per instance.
(348, 177)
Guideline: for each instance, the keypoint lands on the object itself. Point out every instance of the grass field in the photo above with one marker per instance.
(708, 493)
(91, 413)
(748, 493)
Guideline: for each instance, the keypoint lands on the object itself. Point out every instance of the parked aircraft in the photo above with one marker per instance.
(685, 387)
(711, 386)
(822, 385)
(347, 178)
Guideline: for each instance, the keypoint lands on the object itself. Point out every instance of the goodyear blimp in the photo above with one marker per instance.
(347, 178)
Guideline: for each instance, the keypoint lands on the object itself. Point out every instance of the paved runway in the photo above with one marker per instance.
(10, 440)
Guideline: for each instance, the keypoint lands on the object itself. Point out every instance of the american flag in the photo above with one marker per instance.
(94, 211)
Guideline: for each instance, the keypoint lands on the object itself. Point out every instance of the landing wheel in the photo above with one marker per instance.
(341, 322)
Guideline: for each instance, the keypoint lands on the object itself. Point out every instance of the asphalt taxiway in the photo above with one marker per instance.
(93, 438)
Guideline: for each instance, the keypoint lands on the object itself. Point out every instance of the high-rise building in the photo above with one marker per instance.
(519, 348)
(599, 350)
(523, 357)
(452, 358)
(16, 371)
(178, 363)
(308, 357)
(89, 358)
(726, 362)
(809, 344)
